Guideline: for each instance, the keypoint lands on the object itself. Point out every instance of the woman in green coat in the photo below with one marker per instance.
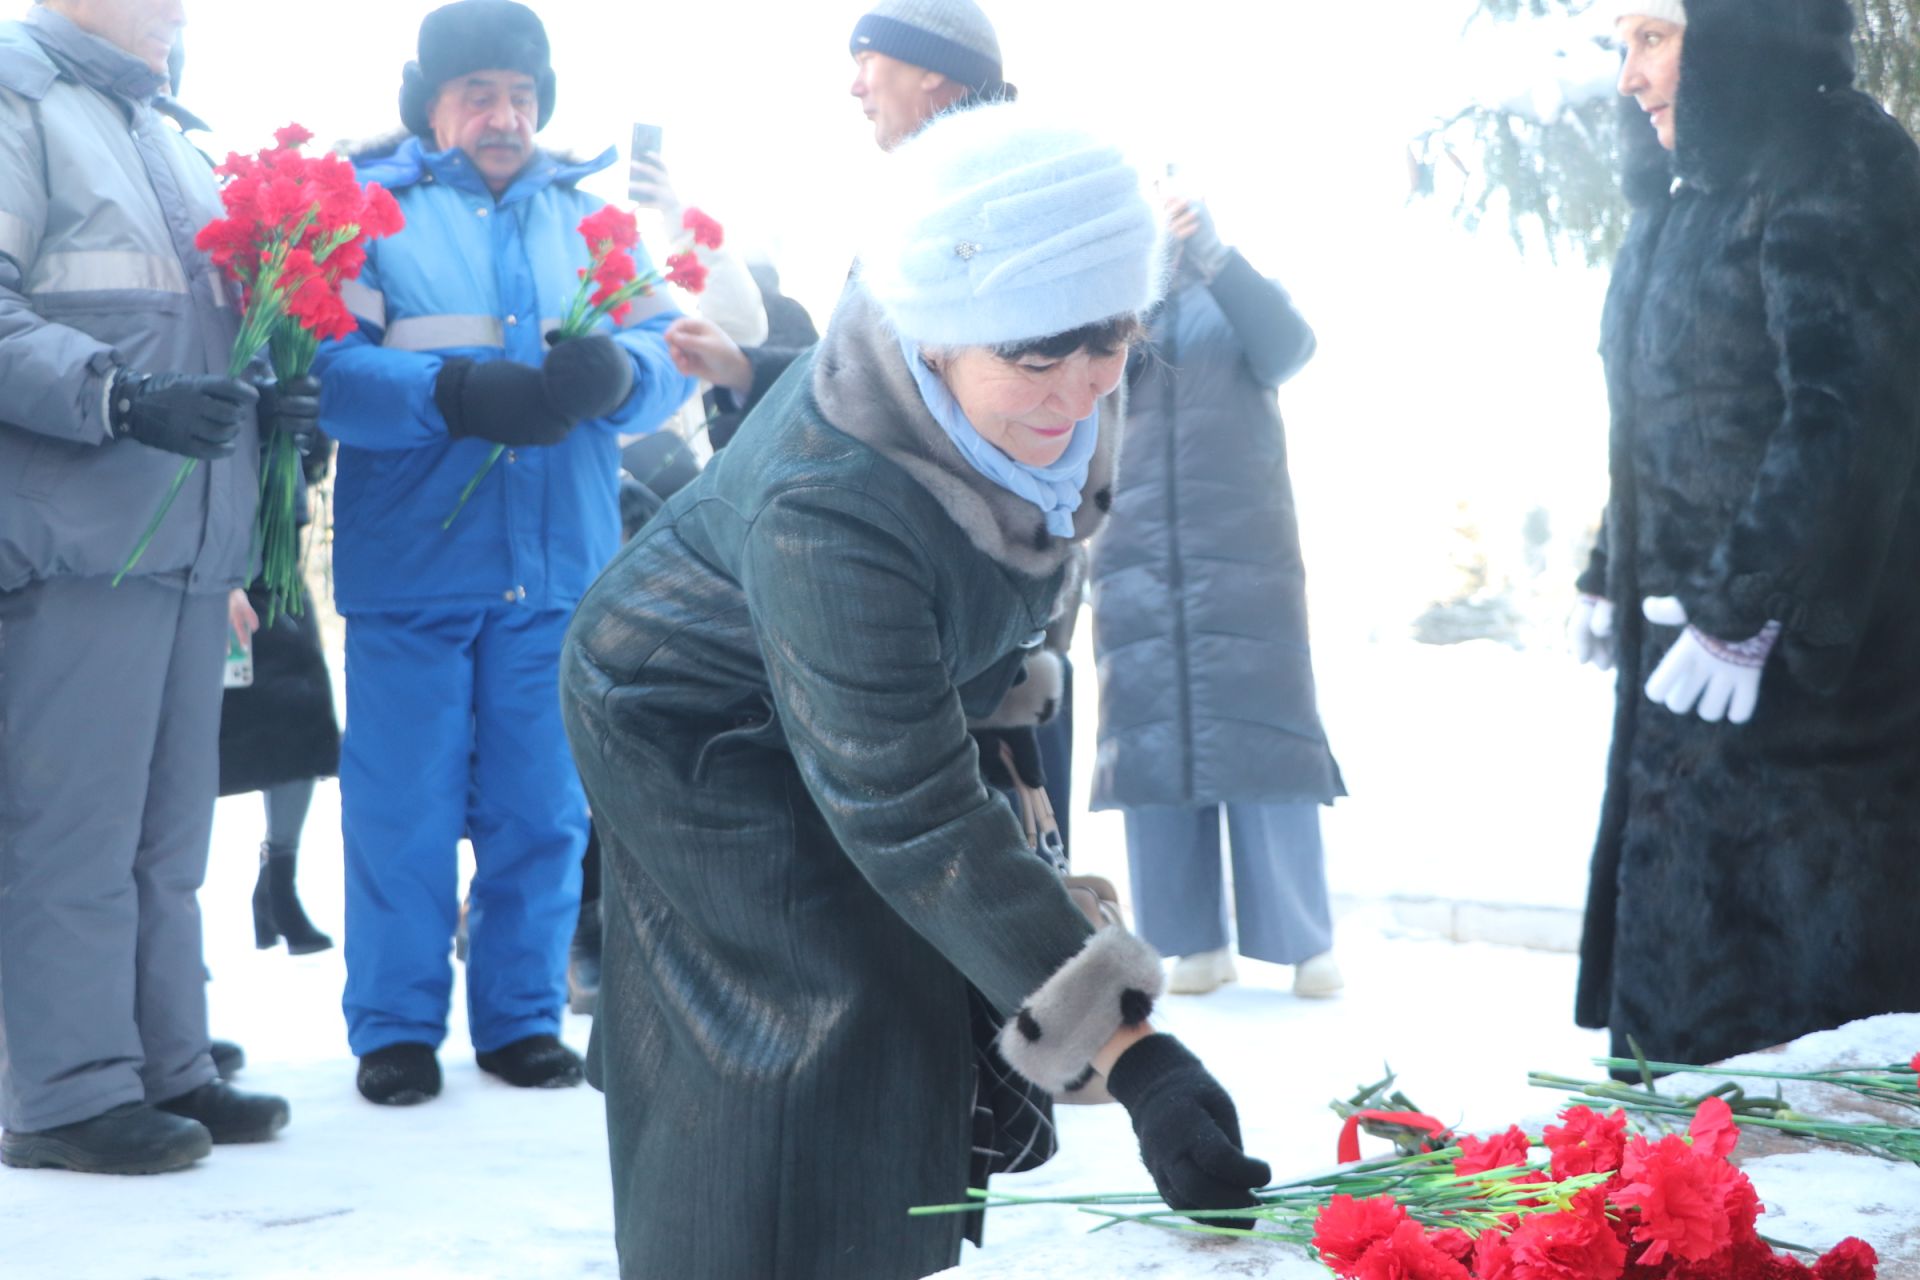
(809, 890)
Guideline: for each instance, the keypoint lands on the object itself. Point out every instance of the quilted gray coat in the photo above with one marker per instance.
(767, 694)
(1199, 593)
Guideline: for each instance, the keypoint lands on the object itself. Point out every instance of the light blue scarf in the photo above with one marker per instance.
(1054, 489)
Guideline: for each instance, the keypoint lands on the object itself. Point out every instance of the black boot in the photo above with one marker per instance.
(583, 961)
(230, 1115)
(400, 1075)
(131, 1138)
(228, 1057)
(537, 1062)
(277, 912)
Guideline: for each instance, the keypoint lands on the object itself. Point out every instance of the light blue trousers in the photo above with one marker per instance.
(1279, 880)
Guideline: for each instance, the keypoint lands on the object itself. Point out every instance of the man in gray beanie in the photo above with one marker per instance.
(914, 59)
(917, 58)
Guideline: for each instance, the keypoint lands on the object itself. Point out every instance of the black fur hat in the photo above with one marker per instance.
(475, 35)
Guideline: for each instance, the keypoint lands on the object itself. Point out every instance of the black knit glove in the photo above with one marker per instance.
(1026, 757)
(1189, 1132)
(197, 415)
(499, 400)
(291, 408)
(588, 377)
(515, 404)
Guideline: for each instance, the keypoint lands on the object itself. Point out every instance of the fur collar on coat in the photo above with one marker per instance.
(863, 387)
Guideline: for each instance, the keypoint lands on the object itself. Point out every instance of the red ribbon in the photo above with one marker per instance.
(1349, 1149)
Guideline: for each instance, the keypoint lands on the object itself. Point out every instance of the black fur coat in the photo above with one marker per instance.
(1762, 343)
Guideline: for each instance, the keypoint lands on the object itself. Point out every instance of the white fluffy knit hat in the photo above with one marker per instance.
(1667, 10)
(995, 226)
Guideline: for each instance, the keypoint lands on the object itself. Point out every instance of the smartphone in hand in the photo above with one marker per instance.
(646, 141)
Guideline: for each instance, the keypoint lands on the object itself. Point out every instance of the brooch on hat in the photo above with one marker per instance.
(965, 250)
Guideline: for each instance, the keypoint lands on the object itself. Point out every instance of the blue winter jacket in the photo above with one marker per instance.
(487, 279)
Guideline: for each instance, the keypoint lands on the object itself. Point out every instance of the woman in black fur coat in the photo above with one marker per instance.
(1757, 872)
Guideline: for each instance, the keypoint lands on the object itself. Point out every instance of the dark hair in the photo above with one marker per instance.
(1103, 338)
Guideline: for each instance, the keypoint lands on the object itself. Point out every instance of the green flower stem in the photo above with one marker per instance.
(472, 484)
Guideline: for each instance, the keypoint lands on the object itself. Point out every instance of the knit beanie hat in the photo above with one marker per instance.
(951, 37)
(475, 35)
(1674, 11)
(996, 227)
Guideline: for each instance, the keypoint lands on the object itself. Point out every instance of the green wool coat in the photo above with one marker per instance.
(768, 695)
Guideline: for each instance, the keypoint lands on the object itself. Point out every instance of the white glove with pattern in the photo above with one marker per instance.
(1718, 678)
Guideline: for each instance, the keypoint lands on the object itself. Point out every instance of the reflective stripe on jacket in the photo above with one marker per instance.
(100, 199)
(487, 279)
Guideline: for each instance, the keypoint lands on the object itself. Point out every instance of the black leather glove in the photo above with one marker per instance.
(291, 408)
(197, 415)
(1189, 1132)
(588, 377)
(1026, 757)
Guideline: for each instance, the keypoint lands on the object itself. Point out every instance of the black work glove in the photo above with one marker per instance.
(291, 408)
(1188, 1130)
(197, 415)
(587, 377)
(1026, 757)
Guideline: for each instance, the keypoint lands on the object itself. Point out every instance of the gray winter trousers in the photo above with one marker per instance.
(109, 740)
(1279, 880)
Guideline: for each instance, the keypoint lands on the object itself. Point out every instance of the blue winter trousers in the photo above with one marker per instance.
(1279, 880)
(453, 728)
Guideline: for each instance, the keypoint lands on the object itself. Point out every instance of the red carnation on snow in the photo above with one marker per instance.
(1586, 1142)
(1851, 1259)
(1501, 1151)
(706, 232)
(1684, 1196)
(1713, 1129)
(1407, 1254)
(1578, 1244)
(1347, 1227)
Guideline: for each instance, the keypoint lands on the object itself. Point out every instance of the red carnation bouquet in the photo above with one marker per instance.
(1603, 1203)
(608, 288)
(296, 230)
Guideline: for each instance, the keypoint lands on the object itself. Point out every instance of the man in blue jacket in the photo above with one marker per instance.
(454, 630)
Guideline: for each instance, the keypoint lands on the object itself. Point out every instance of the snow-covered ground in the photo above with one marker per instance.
(1475, 775)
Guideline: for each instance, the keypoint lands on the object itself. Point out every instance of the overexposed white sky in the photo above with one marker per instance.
(1450, 369)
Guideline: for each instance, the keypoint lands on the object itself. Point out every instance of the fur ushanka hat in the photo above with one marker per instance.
(475, 35)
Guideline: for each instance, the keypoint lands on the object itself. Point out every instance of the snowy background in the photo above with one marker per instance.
(1450, 431)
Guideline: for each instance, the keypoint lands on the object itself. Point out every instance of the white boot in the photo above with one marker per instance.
(1318, 977)
(1204, 971)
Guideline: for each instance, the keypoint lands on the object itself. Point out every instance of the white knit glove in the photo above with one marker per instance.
(1721, 676)
(1590, 631)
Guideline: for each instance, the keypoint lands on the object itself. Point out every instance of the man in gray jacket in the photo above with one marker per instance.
(115, 333)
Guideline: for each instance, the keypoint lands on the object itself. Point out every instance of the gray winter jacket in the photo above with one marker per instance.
(100, 199)
(1199, 594)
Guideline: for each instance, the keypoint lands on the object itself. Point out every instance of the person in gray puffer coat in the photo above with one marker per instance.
(115, 336)
(1200, 631)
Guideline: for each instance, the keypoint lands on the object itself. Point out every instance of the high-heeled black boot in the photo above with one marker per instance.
(277, 912)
